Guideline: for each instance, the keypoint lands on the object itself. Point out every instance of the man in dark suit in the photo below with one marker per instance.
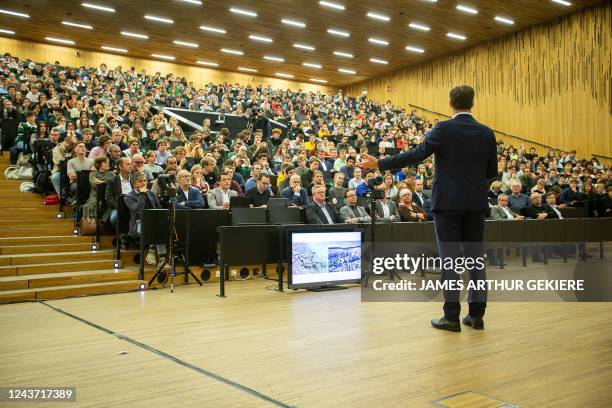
(417, 195)
(321, 212)
(117, 187)
(187, 196)
(465, 158)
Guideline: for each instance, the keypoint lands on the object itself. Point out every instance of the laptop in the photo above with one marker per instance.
(240, 201)
(277, 202)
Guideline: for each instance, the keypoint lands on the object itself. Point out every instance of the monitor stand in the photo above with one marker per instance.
(326, 288)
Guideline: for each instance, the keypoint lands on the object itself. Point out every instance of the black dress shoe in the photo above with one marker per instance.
(444, 324)
(476, 322)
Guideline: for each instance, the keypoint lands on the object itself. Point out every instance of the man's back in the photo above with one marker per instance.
(465, 157)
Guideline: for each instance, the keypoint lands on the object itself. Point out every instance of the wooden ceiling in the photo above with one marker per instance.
(441, 17)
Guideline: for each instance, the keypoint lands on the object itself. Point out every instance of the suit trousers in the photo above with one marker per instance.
(460, 234)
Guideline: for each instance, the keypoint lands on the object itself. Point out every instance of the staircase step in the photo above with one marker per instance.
(56, 292)
(32, 269)
(66, 278)
(29, 216)
(44, 248)
(42, 258)
(32, 231)
(39, 222)
(49, 239)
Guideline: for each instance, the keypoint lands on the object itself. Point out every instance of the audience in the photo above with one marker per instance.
(352, 213)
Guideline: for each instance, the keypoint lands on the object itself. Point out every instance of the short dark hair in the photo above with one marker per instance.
(462, 97)
(262, 176)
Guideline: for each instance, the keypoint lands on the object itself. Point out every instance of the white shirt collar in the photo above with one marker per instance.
(461, 113)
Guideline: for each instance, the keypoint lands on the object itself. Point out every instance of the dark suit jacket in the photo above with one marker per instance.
(417, 200)
(465, 158)
(300, 201)
(314, 214)
(193, 200)
(532, 211)
(137, 202)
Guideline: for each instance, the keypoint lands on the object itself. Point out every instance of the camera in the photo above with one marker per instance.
(167, 189)
(376, 194)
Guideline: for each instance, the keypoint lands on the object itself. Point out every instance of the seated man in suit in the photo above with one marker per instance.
(352, 213)
(386, 210)
(321, 212)
(261, 193)
(325, 164)
(296, 195)
(219, 198)
(137, 200)
(417, 195)
(502, 212)
(188, 196)
(118, 186)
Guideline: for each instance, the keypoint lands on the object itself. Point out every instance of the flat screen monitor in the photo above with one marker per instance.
(324, 258)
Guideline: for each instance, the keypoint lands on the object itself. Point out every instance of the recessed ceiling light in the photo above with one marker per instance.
(321, 81)
(71, 24)
(415, 49)
(280, 74)
(378, 61)
(562, 2)
(243, 12)
(456, 36)
(338, 32)
(212, 29)
(467, 9)
(246, 69)
(304, 46)
(260, 38)
(207, 63)
(135, 35)
(114, 49)
(343, 54)
(332, 5)
(98, 7)
(59, 40)
(312, 65)
(377, 16)
(294, 23)
(504, 20)
(14, 13)
(232, 51)
(272, 58)
(196, 2)
(417, 26)
(378, 41)
(158, 19)
(186, 44)
(162, 56)
(346, 71)
(2, 31)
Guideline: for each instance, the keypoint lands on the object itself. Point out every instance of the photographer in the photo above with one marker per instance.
(137, 200)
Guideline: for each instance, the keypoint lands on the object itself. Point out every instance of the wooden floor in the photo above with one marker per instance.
(304, 349)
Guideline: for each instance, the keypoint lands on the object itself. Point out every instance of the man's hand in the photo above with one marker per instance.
(519, 217)
(143, 189)
(297, 189)
(368, 162)
(541, 216)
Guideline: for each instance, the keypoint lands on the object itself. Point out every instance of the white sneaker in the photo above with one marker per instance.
(150, 258)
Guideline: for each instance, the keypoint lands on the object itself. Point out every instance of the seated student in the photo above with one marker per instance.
(118, 186)
(352, 213)
(536, 211)
(78, 163)
(219, 197)
(408, 210)
(234, 185)
(295, 194)
(501, 211)
(287, 170)
(162, 153)
(261, 193)
(25, 130)
(188, 196)
(337, 193)
(137, 200)
(134, 148)
(571, 196)
(102, 149)
(62, 151)
(386, 211)
(321, 212)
